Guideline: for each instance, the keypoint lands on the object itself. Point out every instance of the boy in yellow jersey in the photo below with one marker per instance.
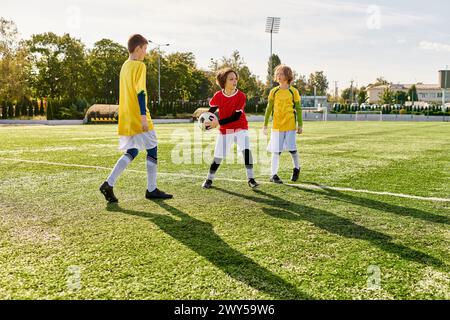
(136, 130)
(284, 105)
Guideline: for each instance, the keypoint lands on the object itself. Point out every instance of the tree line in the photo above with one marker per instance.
(61, 69)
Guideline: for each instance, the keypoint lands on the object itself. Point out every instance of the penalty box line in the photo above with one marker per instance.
(306, 186)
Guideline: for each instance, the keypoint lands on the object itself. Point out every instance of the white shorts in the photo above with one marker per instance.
(282, 141)
(224, 142)
(142, 141)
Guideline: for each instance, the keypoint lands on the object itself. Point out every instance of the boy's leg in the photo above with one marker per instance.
(243, 142)
(292, 147)
(107, 187)
(213, 169)
(212, 173)
(275, 163)
(276, 146)
(295, 160)
(121, 165)
(249, 167)
(152, 191)
(152, 162)
(248, 160)
(220, 151)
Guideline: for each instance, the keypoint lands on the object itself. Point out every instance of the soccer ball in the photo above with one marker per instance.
(208, 121)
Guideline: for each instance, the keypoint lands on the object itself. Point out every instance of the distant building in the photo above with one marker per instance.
(425, 92)
(314, 102)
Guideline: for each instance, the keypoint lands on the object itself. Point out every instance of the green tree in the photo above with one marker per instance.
(401, 97)
(381, 81)
(248, 82)
(105, 61)
(274, 61)
(346, 94)
(412, 93)
(59, 66)
(319, 81)
(387, 96)
(301, 84)
(14, 66)
(362, 95)
(151, 61)
(182, 79)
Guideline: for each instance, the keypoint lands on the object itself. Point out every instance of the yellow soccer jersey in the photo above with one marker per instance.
(284, 100)
(132, 82)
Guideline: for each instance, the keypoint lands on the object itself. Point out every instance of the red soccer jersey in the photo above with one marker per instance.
(228, 105)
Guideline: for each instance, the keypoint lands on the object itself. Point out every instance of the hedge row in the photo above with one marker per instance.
(66, 109)
(429, 110)
(25, 108)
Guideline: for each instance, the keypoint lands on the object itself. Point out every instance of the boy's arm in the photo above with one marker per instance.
(298, 110)
(214, 104)
(235, 117)
(213, 109)
(140, 86)
(269, 110)
(141, 100)
(143, 110)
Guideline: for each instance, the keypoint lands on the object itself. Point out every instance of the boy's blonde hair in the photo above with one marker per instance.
(221, 76)
(287, 71)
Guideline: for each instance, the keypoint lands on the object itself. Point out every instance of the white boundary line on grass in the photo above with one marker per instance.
(313, 187)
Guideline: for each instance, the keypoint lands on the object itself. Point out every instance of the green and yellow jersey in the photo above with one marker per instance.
(132, 82)
(286, 108)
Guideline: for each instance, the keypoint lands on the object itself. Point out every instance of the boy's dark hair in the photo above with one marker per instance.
(221, 77)
(136, 40)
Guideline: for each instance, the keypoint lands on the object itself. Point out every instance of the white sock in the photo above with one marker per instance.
(213, 169)
(275, 163)
(250, 173)
(295, 160)
(151, 174)
(120, 166)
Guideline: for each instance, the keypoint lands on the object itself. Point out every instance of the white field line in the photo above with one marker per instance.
(306, 186)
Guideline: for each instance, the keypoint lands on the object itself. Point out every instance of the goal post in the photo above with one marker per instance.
(369, 116)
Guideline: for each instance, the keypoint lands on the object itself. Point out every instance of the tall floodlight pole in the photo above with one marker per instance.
(335, 91)
(444, 91)
(272, 26)
(159, 66)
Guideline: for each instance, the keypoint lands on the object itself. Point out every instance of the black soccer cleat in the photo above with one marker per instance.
(295, 174)
(157, 194)
(207, 184)
(276, 179)
(108, 192)
(252, 183)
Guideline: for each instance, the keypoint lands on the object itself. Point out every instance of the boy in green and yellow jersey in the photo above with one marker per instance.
(285, 106)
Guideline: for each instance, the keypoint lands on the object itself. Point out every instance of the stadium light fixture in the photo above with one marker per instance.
(272, 26)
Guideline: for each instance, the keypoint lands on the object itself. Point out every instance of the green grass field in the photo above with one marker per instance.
(279, 242)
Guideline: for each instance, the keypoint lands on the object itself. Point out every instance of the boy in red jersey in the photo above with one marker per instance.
(233, 124)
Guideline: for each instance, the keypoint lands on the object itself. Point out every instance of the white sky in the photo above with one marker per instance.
(405, 42)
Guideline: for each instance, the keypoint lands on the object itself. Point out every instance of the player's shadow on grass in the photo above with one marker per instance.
(374, 204)
(200, 237)
(284, 209)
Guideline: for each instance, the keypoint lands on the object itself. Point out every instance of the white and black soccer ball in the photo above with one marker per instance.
(207, 121)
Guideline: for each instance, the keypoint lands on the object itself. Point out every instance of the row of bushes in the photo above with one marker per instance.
(25, 108)
(427, 110)
(165, 108)
(66, 109)
(50, 108)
